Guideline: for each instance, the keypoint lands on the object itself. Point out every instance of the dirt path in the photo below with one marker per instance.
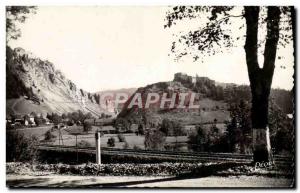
(143, 181)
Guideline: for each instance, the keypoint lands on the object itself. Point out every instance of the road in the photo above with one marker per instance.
(51, 180)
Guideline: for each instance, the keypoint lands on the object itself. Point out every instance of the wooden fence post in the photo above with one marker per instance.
(98, 147)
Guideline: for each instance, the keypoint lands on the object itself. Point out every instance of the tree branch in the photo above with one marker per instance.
(251, 16)
(273, 19)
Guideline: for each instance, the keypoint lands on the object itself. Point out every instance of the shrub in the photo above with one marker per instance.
(154, 140)
(90, 169)
(121, 138)
(49, 136)
(87, 126)
(111, 142)
(19, 147)
(140, 130)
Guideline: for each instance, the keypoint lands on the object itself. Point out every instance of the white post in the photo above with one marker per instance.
(98, 148)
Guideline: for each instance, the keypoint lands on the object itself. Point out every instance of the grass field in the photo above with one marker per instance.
(70, 140)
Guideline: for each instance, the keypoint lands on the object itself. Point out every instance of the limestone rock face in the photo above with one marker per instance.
(35, 85)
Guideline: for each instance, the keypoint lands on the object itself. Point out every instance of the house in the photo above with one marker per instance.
(29, 120)
(290, 116)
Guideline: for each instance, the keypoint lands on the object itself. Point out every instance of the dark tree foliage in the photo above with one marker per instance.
(239, 128)
(199, 141)
(82, 92)
(97, 98)
(14, 15)
(141, 129)
(49, 136)
(121, 138)
(20, 148)
(154, 140)
(39, 120)
(111, 142)
(281, 130)
(87, 126)
(55, 118)
(122, 125)
(171, 128)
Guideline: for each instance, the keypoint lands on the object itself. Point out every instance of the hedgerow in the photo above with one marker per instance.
(161, 169)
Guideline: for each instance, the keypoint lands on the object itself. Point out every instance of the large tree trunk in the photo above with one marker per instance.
(260, 132)
(261, 78)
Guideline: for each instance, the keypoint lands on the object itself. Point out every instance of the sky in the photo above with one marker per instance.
(101, 48)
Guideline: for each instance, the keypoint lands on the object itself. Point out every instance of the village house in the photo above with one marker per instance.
(29, 120)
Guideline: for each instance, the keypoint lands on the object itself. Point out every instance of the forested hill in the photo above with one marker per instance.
(214, 99)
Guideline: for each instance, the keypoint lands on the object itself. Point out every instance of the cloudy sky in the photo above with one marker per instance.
(102, 48)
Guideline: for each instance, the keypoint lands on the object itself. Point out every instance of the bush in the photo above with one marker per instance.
(87, 126)
(19, 147)
(162, 169)
(111, 142)
(154, 140)
(140, 130)
(49, 136)
(121, 138)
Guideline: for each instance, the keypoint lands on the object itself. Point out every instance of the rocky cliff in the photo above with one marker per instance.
(35, 85)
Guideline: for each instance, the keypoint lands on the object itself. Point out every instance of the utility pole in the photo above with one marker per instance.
(98, 147)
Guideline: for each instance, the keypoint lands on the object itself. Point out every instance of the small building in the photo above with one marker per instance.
(290, 116)
(29, 120)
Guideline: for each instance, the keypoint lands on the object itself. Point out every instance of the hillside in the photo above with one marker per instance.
(35, 85)
(213, 98)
